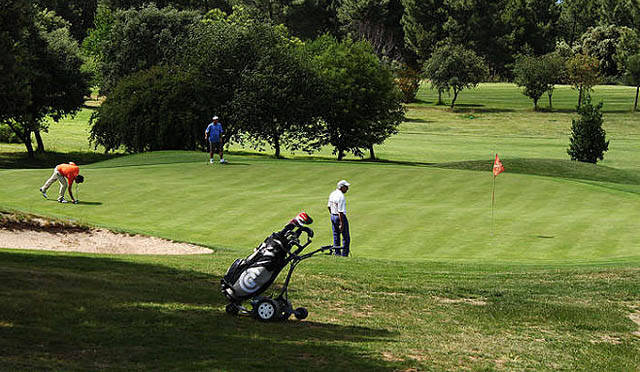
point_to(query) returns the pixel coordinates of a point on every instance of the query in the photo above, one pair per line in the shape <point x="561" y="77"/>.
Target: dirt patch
<point x="468" y="301"/>
<point x="18" y="231"/>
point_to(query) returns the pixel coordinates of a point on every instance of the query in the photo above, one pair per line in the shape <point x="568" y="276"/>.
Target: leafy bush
<point x="154" y="109"/>
<point x="7" y="135"/>
<point x="588" y="138"/>
<point x="408" y="81"/>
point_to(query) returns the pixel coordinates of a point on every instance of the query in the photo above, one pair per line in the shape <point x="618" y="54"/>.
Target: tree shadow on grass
<point x="469" y="108"/>
<point x="540" y="167"/>
<point x="68" y="312"/>
<point x="21" y="160"/>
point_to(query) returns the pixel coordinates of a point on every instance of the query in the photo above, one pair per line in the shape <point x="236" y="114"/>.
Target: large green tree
<point x="530" y="74"/>
<point x="276" y="95"/>
<point x="155" y="109"/>
<point x="423" y="23"/>
<point x="127" y="41"/>
<point x="576" y="16"/>
<point x="611" y="45"/>
<point x="453" y="67"/>
<point x="531" y="24"/>
<point x="16" y="24"/>
<point x="377" y="21"/>
<point x="363" y="107"/>
<point x="51" y="69"/>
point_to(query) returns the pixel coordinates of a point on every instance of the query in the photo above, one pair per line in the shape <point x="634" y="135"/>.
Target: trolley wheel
<point x="285" y="308"/>
<point x="267" y="310"/>
<point x="301" y="313"/>
<point x="232" y="309"/>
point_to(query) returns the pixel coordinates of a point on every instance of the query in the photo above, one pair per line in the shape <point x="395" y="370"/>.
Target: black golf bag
<point x="248" y="278"/>
<point x="251" y="276"/>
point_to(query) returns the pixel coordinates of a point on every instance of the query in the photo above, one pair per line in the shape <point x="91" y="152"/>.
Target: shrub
<point x="7" y="135"/>
<point x="408" y="81"/>
<point x="588" y="138"/>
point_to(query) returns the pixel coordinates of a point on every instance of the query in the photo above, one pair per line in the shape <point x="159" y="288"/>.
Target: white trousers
<point x="56" y="176"/>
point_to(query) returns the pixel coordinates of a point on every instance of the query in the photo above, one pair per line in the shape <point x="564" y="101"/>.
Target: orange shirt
<point x="68" y="170"/>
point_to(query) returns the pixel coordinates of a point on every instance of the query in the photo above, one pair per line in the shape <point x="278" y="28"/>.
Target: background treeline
<point x="294" y="74"/>
<point x="410" y="30"/>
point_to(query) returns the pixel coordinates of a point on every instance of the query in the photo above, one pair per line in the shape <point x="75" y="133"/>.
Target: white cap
<point x="343" y="183"/>
<point x="215" y="118"/>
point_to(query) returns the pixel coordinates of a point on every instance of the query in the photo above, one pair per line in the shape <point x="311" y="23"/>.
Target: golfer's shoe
<point x="62" y="201"/>
<point x="222" y="161"/>
<point x="210" y="161"/>
<point x="44" y="193"/>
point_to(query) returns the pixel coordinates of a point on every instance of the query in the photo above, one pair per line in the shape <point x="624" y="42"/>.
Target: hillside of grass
<point x="547" y="281"/>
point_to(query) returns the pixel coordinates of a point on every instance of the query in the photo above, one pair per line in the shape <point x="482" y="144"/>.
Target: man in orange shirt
<point x="63" y="173"/>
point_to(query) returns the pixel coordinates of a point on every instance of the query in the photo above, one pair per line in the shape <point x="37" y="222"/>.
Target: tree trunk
<point x="372" y="154"/>
<point x="455" y="96"/>
<point x="340" y="154"/>
<point x="27" y="143"/>
<point x="550" y="104"/>
<point x="39" y="141"/>
<point x="535" y="104"/>
<point x="440" y="98"/>
<point x="635" y="105"/>
<point x="276" y="146"/>
<point x="24" y="137"/>
<point x="579" y="97"/>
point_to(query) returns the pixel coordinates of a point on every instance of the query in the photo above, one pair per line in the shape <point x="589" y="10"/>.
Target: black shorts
<point x="215" y="146"/>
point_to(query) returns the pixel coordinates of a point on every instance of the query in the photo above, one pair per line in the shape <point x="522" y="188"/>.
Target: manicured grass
<point x="80" y="312"/>
<point x="432" y="285"/>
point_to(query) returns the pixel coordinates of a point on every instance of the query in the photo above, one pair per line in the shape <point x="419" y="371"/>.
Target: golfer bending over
<point x="62" y="173"/>
<point x="338" y="208"/>
<point x="213" y="134"/>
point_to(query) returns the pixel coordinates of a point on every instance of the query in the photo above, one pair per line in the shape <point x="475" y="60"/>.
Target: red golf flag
<point x="497" y="166"/>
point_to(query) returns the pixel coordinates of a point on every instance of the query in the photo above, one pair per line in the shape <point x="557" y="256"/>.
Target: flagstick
<point x="493" y="201"/>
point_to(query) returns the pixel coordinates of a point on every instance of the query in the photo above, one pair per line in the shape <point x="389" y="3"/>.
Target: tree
<point x="529" y="72"/>
<point x="531" y="24"/>
<point x="363" y="107"/>
<point x="455" y="68"/>
<point x="16" y="23"/>
<point x="606" y="43"/>
<point x="377" y="21"/>
<point x="274" y="97"/>
<point x="78" y="13"/>
<point x="422" y="23"/>
<point x="127" y="41"/>
<point x="155" y="109"/>
<point x="477" y="25"/>
<point x="582" y="74"/>
<point x="588" y="139"/>
<point x="576" y="17"/>
<point x="555" y="72"/>
<point x="56" y="85"/>
<point x="633" y="74"/>
<point x="308" y="19"/>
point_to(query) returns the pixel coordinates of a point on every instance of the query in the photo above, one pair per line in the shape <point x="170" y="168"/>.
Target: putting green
<point x="396" y="211"/>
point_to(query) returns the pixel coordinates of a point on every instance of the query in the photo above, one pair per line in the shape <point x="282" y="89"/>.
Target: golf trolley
<point x="248" y="278"/>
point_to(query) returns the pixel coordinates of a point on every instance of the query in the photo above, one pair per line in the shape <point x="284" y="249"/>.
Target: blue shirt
<point x="214" y="131"/>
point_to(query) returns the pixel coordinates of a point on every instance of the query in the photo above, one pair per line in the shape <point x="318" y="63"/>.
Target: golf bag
<point x="251" y="276"/>
<point x="248" y="278"/>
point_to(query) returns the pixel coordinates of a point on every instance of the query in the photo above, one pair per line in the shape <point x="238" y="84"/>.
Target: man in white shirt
<point x="338" y="208"/>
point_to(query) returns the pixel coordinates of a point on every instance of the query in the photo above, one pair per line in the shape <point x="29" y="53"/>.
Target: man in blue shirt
<point x="213" y="134"/>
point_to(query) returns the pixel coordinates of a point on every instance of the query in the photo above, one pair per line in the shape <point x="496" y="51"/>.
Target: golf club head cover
<point x="301" y="219"/>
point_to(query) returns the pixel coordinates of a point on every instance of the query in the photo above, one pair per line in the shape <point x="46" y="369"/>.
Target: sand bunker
<point x="28" y="232"/>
